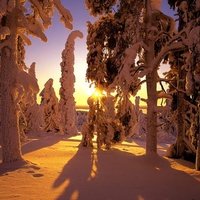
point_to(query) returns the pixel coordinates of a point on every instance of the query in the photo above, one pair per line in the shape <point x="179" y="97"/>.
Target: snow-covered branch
<point x="25" y="39"/>
<point x="4" y="31"/>
<point x="66" y="16"/>
<point x="35" y="28"/>
<point x="176" y="46"/>
<point x="45" y="18"/>
<point x="161" y="94"/>
<point x="169" y="82"/>
<point x="162" y="108"/>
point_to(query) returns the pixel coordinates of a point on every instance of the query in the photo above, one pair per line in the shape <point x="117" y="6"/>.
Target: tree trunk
<point x="151" y="78"/>
<point x="180" y="144"/>
<point x="151" y="135"/>
<point x="11" y="147"/>
<point x="197" y="163"/>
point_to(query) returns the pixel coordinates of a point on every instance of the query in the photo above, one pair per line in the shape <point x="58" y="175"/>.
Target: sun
<point x="97" y="93"/>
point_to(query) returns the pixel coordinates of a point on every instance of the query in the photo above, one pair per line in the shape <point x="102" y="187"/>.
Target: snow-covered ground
<point x="57" y="167"/>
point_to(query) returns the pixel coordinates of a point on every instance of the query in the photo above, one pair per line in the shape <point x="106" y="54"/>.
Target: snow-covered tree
<point x="141" y="37"/>
<point x="89" y="126"/>
<point x="19" y="18"/>
<point x="102" y="65"/>
<point x="49" y="103"/>
<point x="33" y="111"/>
<point x="188" y="78"/>
<point x="67" y="80"/>
<point x="105" y="117"/>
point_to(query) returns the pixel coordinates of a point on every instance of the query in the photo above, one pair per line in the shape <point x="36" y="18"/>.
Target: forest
<point x="126" y="47"/>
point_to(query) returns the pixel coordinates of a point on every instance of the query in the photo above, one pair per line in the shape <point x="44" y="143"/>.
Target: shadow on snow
<point x="114" y="174"/>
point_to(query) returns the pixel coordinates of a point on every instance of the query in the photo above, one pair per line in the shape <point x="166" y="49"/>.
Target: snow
<point x="4" y="31"/>
<point x="194" y="36"/>
<point x="67" y="80"/>
<point x="49" y="103"/>
<point x="57" y="167"/>
<point x="66" y="16"/>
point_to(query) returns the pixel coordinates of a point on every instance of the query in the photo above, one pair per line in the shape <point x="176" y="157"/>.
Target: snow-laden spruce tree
<point x="25" y="98"/>
<point x="50" y="115"/>
<point x="103" y="67"/>
<point x="141" y="37"/>
<point x="101" y="118"/>
<point x="33" y="111"/>
<point x="88" y="127"/>
<point x="187" y="68"/>
<point x="67" y="80"/>
<point x="104" y="118"/>
<point x="19" y="18"/>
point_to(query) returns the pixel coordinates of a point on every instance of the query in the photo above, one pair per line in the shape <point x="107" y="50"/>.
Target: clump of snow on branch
<point x="99" y="7"/>
<point x="35" y="17"/>
<point x="67" y="80"/>
<point x="26" y="88"/>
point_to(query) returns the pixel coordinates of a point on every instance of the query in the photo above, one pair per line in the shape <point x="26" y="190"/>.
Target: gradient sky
<point x="48" y="55"/>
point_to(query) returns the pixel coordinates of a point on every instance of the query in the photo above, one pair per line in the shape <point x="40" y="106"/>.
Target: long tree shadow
<point x="39" y="143"/>
<point x="77" y="173"/>
<point x="116" y="175"/>
<point x="31" y="145"/>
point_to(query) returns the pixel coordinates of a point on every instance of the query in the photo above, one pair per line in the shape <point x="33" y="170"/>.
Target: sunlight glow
<point x="90" y="91"/>
<point x="140" y="197"/>
<point x="74" y="195"/>
<point x="94" y="166"/>
<point x="97" y="93"/>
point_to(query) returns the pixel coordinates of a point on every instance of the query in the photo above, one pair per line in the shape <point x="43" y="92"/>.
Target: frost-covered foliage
<point x="34" y="16"/>
<point x="99" y="6"/>
<point x="107" y="39"/>
<point x="33" y="111"/>
<point x="67" y="80"/>
<point x="27" y="90"/>
<point x="185" y="67"/>
<point x="126" y="114"/>
<point x="111" y="126"/>
<point x="105" y="120"/>
<point x="88" y="127"/>
<point x="49" y="103"/>
<point x="185" y="70"/>
<point x="18" y="19"/>
<point x="128" y="45"/>
<point x="81" y="116"/>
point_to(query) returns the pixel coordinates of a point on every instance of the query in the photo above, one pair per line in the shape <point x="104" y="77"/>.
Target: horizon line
<point x="87" y="107"/>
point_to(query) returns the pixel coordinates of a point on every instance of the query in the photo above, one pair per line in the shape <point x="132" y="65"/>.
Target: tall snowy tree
<point x="67" y="80"/>
<point x="187" y="66"/>
<point x="141" y="38"/>
<point x="19" y="18"/>
<point x="103" y="67"/>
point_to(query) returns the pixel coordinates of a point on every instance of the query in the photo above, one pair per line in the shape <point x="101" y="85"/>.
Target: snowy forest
<point x="127" y="45"/>
<point x="49" y="149"/>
